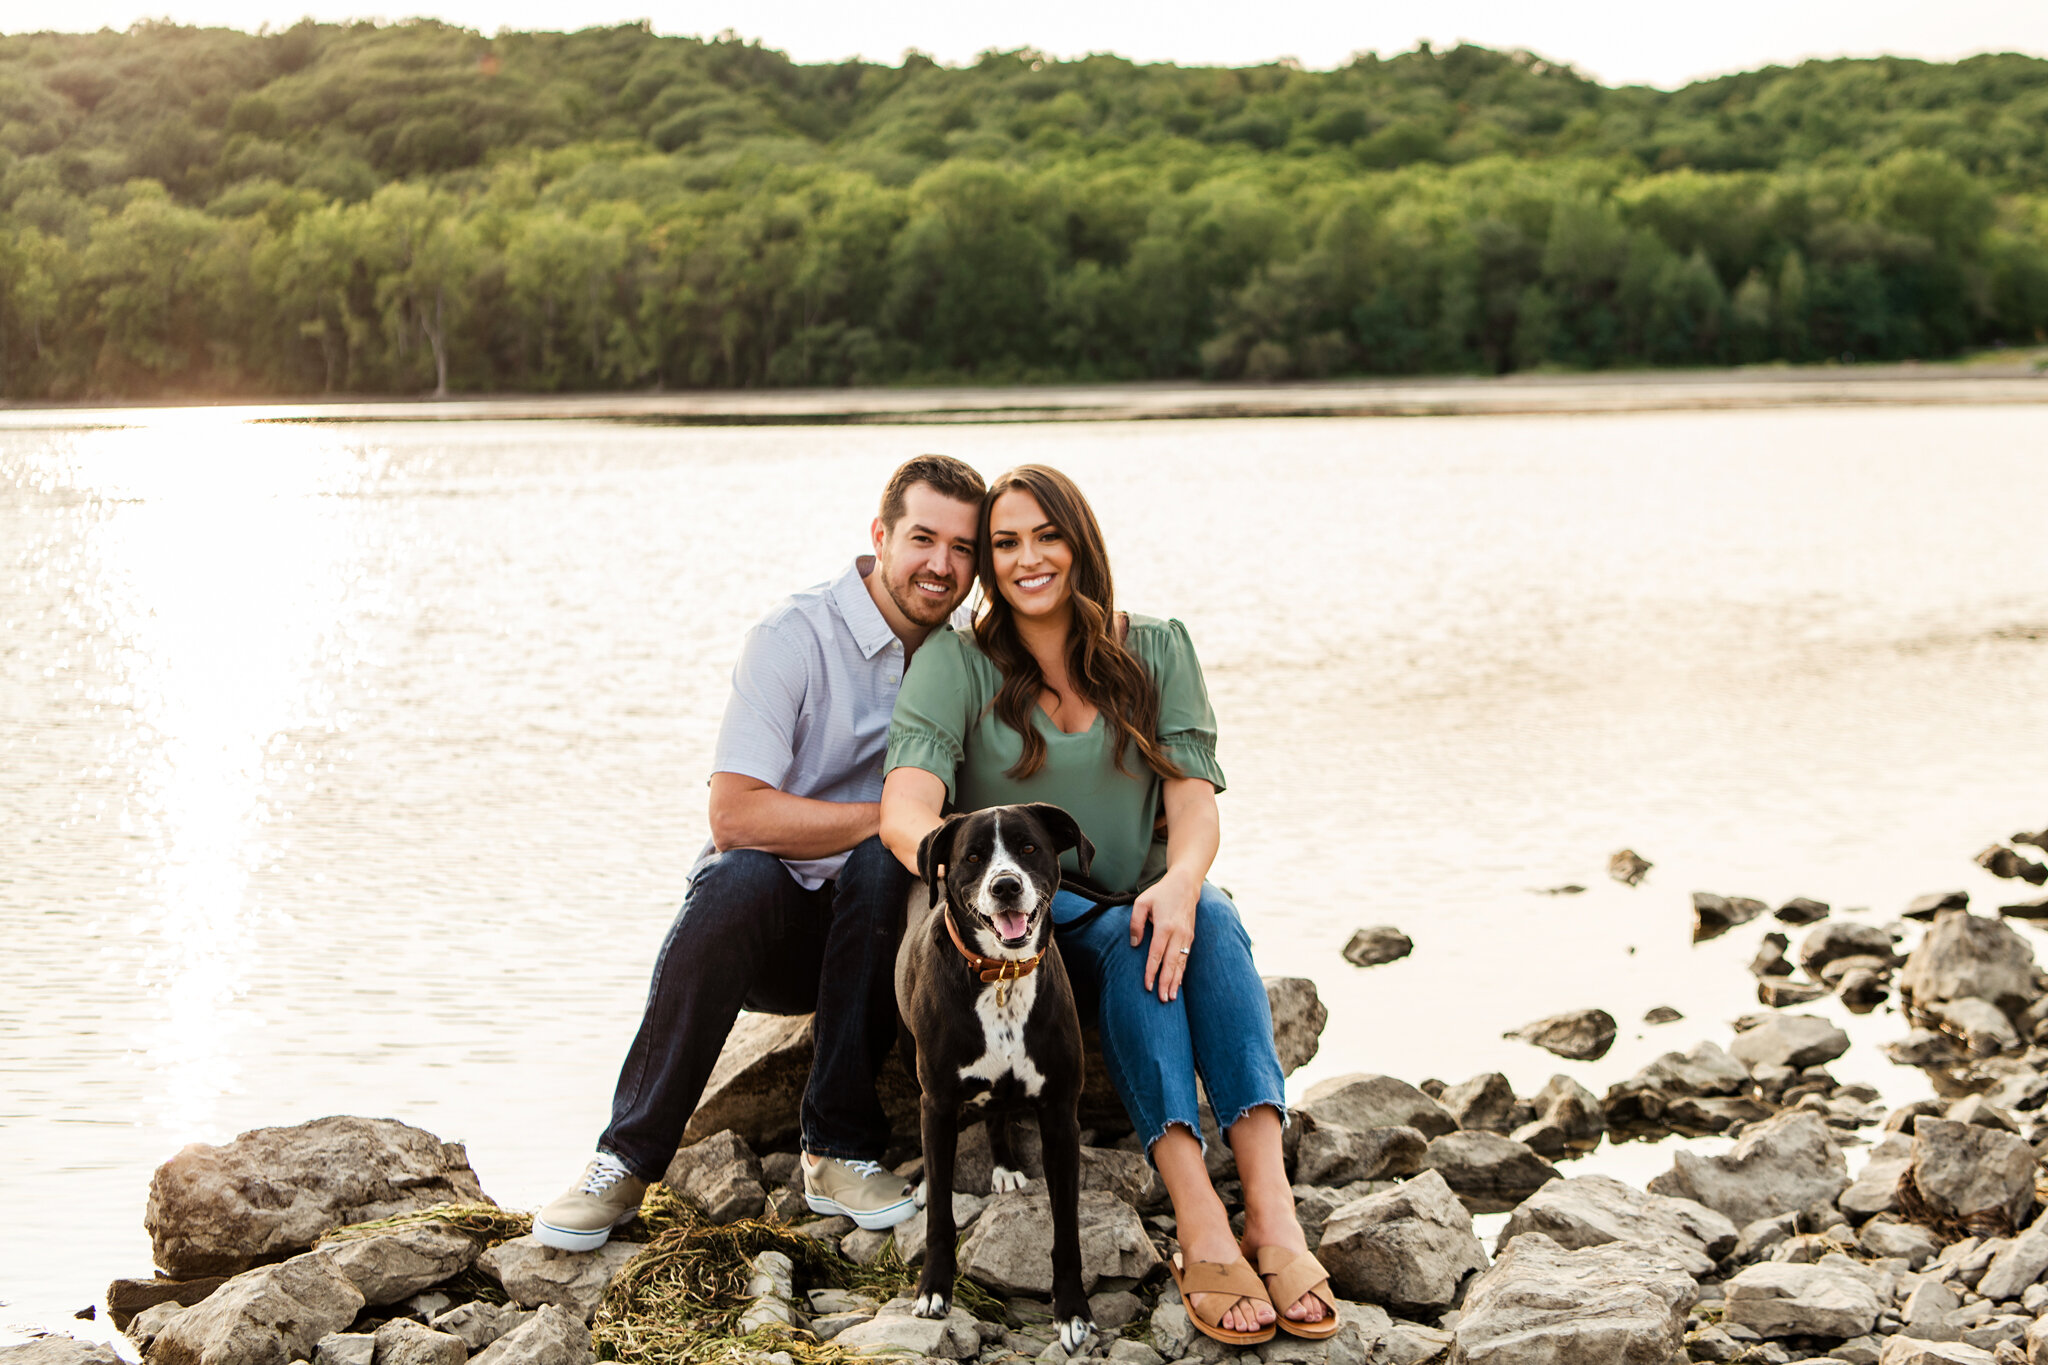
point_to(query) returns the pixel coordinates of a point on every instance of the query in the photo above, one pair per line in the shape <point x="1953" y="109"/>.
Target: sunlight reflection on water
<point x="355" y="769"/>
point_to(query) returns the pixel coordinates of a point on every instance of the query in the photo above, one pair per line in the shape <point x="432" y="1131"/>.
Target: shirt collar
<point x="864" y="620"/>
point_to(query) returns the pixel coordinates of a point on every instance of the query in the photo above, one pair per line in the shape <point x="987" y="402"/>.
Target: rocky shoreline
<point x="361" y="1241"/>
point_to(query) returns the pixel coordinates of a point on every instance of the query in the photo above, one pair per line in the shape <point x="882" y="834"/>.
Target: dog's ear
<point x="1065" y="831"/>
<point x="935" y="851"/>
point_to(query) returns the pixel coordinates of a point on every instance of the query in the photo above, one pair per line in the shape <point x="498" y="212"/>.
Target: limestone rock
<point x="1982" y="1027"/>
<point x="1569" y="1109"/>
<point x="1010" y="1249"/>
<point x="273" y="1191"/>
<point x="395" y="1265"/>
<point x="58" y="1350"/>
<point x="145" y="1326"/>
<point x="267" y="1316"/>
<point x="1908" y="1242"/>
<point x="1330" y="1155"/>
<point x="1780" y="1299"/>
<point x="1592" y="1210"/>
<point x="1298" y="1018"/>
<point x="1876" y="1187"/>
<point x="1794" y="1040"/>
<point x="1934" y="902"/>
<point x="1617" y="1303"/>
<point x="722" y="1174"/>
<point x="402" y="1341"/>
<point x="1770" y="960"/>
<point x="1782" y="1165"/>
<point x="2016" y="1265"/>
<point x="1970" y="955"/>
<point x="1582" y="1035"/>
<point x="910" y="1233"/>
<point x="346" y="1348"/>
<point x="1968" y="1173"/>
<point x="1842" y="938"/>
<point x="1904" y="1350"/>
<point x="1783" y="994"/>
<point x="552" y="1336"/>
<point x="1713" y="915"/>
<point x="479" y="1324"/>
<point x="1490" y="1173"/>
<point x="1663" y="1014"/>
<point x="1484" y="1102"/>
<point x="953" y="1337"/>
<point x="1127" y="1175"/>
<point x="534" y="1275"/>
<point x="1407" y="1248"/>
<point x="1379" y="944"/>
<point x="1706" y="1070"/>
<point x="1800" y="910"/>
<point x="1360" y="1102"/>
<point x="128" y="1297"/>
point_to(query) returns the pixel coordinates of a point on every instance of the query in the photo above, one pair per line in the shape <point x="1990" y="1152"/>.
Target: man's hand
<point x="1168" y="906"/>
<point x="748" y="813"/>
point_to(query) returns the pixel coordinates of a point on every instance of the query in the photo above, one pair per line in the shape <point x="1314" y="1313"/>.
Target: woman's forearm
<point x="1194" y="830"/>
<point x="912" y="802"/>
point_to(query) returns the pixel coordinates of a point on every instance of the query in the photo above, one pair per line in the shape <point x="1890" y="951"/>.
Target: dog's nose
<point x="1006" y="887"/>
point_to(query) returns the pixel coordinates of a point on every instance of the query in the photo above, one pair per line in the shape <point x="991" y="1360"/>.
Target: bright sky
<point x="1616" y="41"/>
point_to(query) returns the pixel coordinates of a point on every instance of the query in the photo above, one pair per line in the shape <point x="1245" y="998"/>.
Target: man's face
<point x="926" y="561"/>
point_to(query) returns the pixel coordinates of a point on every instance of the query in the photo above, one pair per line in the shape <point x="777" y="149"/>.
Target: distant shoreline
<point x="2000" y="382"/>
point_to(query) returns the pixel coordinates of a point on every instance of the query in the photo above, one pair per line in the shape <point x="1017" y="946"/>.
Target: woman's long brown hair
<point x="1099" y="667"/>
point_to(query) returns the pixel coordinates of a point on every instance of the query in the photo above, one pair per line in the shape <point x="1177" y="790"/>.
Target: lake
<point x="355" y="768"/>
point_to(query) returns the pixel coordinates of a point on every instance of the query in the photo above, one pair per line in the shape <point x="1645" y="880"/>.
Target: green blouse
<point x="945" y="723"/>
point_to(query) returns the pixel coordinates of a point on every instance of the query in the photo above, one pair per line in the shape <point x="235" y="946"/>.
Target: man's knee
<point x="733" y="891"/>
<point x="873" y="881"/>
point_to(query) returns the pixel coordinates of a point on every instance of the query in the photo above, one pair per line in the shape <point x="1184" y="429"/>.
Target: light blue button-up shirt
<point x="811" y="700"/>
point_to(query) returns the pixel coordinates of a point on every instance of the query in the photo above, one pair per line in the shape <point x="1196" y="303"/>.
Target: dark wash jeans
<point x="749" y="936"/>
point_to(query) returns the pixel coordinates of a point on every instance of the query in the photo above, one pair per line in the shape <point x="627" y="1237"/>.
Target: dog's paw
<point x="934" y="1305"/>
<point x="1073" y="1332"/>
<point x="919" y="1196"/>
<point x="1002" y="1180"/>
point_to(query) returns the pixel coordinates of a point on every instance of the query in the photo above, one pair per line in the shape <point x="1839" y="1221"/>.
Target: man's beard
<point x="925" y="611"/>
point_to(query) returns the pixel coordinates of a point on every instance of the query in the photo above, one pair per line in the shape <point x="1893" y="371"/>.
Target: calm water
<point x="356" y="768"/>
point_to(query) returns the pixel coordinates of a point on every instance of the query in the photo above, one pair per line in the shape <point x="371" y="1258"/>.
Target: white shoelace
<point x="863" y="1169"/>
<point x="605" y="1172"/>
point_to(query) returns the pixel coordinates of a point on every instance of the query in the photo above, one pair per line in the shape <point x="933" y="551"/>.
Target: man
<point x="796" y="906"/>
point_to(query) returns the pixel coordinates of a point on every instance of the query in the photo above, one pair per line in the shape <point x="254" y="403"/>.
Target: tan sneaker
<point x="583" y="1219"/>
<point x="860" y="1190"/>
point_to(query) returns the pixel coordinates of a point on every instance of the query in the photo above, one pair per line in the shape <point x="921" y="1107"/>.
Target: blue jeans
<point x="1219" y="1027"/>
<point x="749" y="937"/>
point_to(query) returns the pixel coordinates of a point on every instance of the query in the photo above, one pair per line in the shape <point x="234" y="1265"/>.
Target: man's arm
<point x="748" y="813"/>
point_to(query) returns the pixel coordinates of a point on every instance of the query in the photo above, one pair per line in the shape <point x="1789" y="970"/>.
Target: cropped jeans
<point x="748" y="936"/>
<point x="1219" y="1027"/>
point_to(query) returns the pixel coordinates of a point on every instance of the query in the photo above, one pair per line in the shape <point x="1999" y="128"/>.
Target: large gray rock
<point x="1407" y="1248"/>
<point x="1982" y="1027"/>
<point x="553" y="1336"/>
<point x="2016" y="1265"/>
<point x="1781" y="1299"/>
<point x="57" y="1350"/>
<point x="1706" y="1070"/>
<point x="1581" y="1035"/>
<point x="1377" y="945"/>
<point x="1967" y="1173"/>
<point x="479" y="1323"/>
<point x="1360" y="1102"/>
<point x="953" y="1337"/>
<point x="1904" y="1350"/>
<point x="1298" y="1018"/>
<point x="273" y="1191"/>
<point x="722" y="1174"/>
<point x="1490" y="1173"/>
<point x="395" y="1265"/>
<point x="1714" y="915"/>
<point x="1592" y="1210"/>
<point x="534" y="1275"/>
<point x="1963" y="955"/>
<point x="1876" y="1187"/>
<point x="1330" y="1155"/>
<point x="1568" y="1119"/>
<point x="128" y="1296"/>
<point x="1842" y="938"/>
<point x="1010" y="1248"/>
<point x="1486" y="1102"/>
<point x="402" y="1341"/>
<point x="1542" y="1304"/>
<point x="268" y="1316"/>
<point x="1784" y="1165"/>
<point x="1794" y="1040"/>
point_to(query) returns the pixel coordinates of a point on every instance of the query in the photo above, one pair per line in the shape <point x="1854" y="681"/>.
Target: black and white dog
<point x="982" y="991"/>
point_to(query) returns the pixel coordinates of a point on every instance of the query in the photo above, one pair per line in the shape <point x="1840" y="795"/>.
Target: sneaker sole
<point x="572" y="1239"/>
<point x="874" y="1220"/>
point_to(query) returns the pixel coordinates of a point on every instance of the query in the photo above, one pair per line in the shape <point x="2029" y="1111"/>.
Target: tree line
<point x="410" y="208"/>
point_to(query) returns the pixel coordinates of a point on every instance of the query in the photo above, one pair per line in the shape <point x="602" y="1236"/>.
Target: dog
<point x="990" y="1016"/>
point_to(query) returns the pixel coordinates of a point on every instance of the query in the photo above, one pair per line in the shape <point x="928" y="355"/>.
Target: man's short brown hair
<point x="949" y="476"/>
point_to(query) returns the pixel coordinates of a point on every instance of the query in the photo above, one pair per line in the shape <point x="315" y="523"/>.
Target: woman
<point x="1059" y="697"/>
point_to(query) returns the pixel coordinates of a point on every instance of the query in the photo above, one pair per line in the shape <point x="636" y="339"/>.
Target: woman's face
<point x="1033" y="561"/>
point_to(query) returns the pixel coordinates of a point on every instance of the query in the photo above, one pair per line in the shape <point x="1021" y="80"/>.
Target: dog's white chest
<point x="1002" y="1033"/>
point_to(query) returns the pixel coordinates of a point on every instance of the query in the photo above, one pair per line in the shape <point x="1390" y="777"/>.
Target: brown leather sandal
<point x="1236" y="1278"/>
<point x="1291" y="1274"/>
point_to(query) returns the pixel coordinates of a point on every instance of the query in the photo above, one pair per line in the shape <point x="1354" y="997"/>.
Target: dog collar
<point x="1002" y="970"/>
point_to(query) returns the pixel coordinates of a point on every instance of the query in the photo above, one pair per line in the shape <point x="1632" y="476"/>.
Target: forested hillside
<point x="387" y="209"/>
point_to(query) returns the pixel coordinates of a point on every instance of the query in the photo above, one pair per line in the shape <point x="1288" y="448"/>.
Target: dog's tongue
<point x="1011" y="924"/>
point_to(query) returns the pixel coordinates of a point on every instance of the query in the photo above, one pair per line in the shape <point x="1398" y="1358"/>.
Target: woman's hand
<point x="1168" y="906"/>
